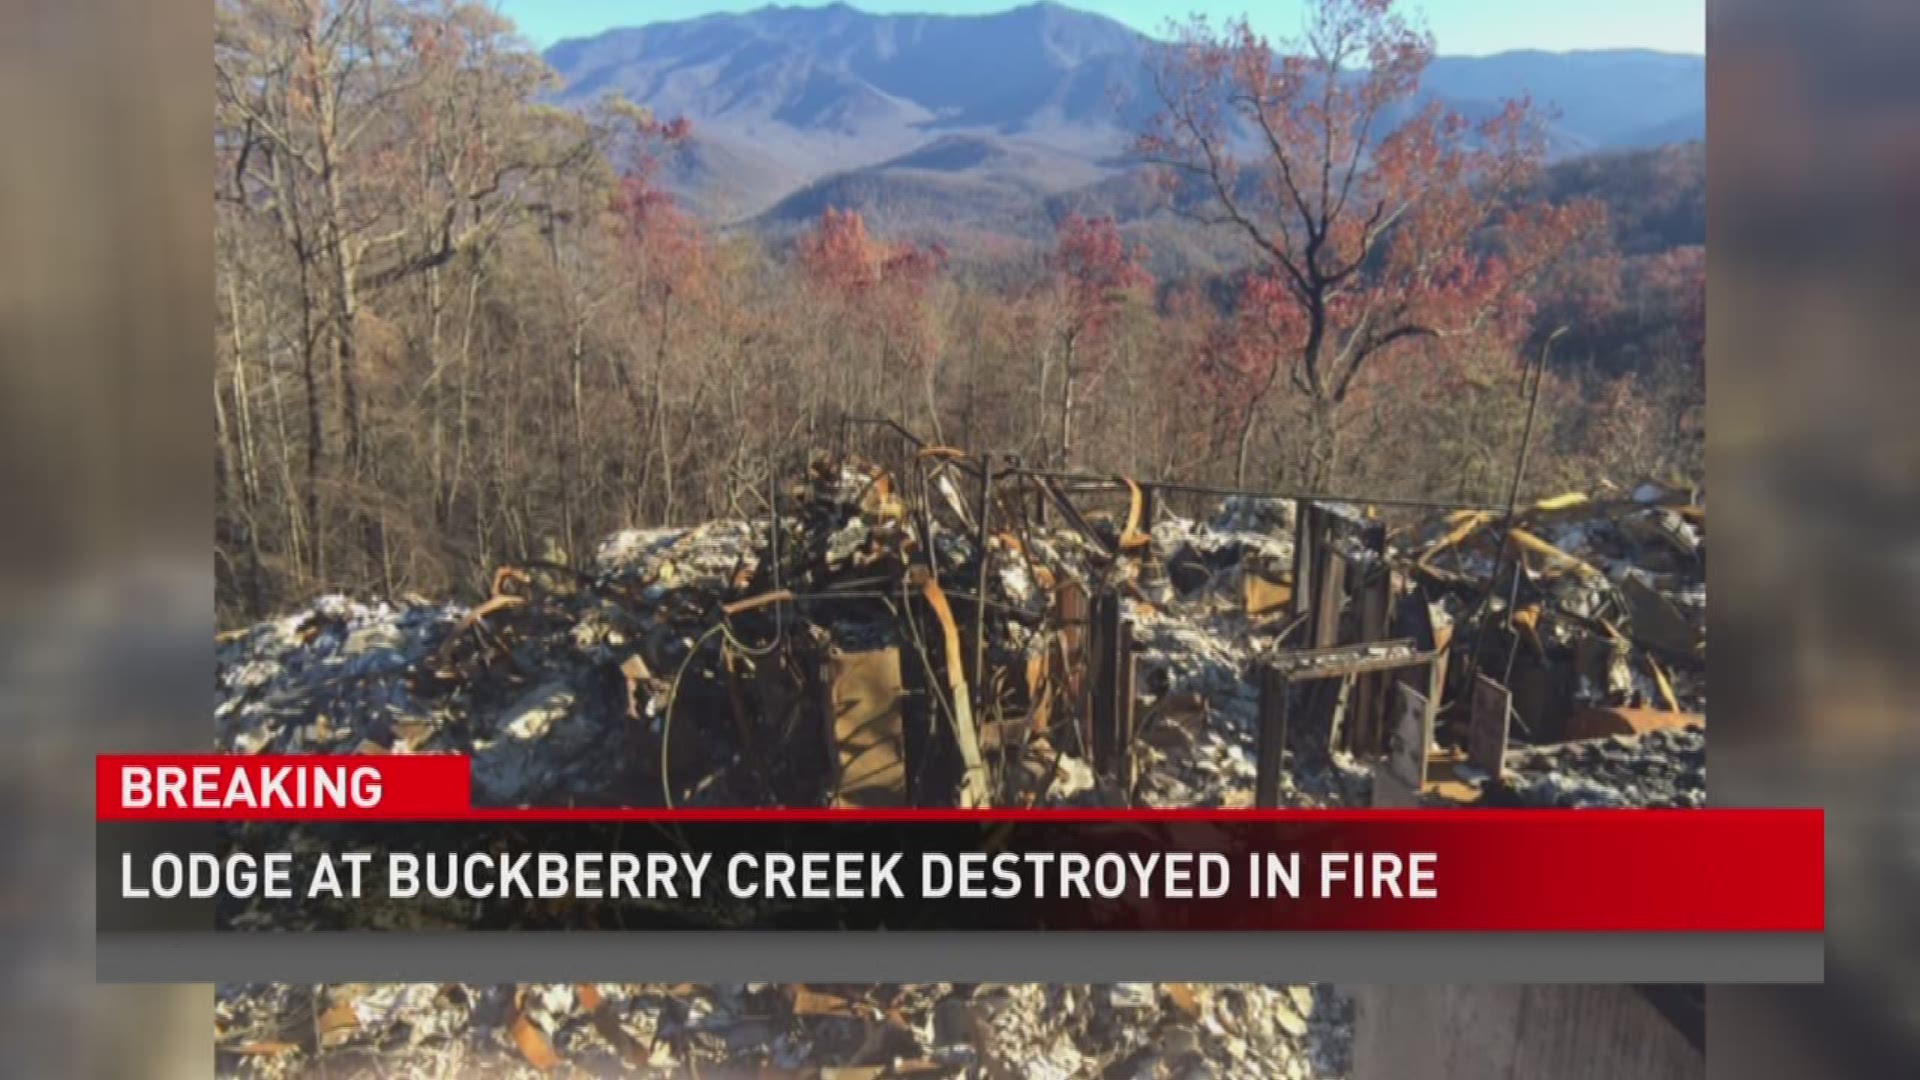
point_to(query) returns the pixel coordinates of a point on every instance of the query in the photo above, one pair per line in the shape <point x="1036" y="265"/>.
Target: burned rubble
<point x="785" y="1032"/>
<point x="876" y="641"/>
<point x="918" y="626"/>
<point x="690" y="663"/>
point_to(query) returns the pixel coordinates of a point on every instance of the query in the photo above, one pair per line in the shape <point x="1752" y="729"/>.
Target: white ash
<point x="1666" y="768"/>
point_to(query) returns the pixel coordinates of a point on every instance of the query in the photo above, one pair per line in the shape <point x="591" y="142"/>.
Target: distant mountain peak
<point x="784" y="97"/>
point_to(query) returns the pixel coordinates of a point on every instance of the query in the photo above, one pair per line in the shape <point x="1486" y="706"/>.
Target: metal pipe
<point x="1513" y="503"/>
<point x="980" y="609"/>
<point x="1526" y="436"/>
<point x="1187" y="489"/>
<point x="885" y="422"/>
<point x="773" y="540"/>
<point x="1223" y="492"/>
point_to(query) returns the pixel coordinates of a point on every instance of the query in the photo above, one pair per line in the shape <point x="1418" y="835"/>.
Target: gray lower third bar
<point x="732" y="956"/>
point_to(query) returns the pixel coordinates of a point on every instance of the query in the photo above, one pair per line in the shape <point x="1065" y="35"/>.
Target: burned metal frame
<point x="1283" y="672"/>
<point x="1214" y="491"/>
<point x="1339" y="565"/>
<point x="1005" y="594"/>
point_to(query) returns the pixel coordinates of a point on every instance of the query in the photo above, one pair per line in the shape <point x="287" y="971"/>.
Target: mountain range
<point x="994" y="122"/>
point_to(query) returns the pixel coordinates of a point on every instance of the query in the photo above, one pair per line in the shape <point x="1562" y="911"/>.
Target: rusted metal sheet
<point x="1261" y="592"/>
<point x="1657" y="623"/>
<point x="1487" y="726"/>
<point x="1600" y="723"/>
<point x="1389" y="791"/>
<point x="866" y="729"/>
<point x="974" y="789"/>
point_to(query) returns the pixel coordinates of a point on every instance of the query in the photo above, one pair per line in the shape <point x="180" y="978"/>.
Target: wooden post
<point x="1305" y="537"/>
<point x="1330" y="597"/>
<point x="1271" y="746"/>
<point x="1070" y="613"/>
<point x="1369" y="716"/>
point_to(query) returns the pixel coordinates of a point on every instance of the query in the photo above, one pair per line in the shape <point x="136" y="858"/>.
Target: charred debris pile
<point x="916" y="625"/>
<point x="924" y="1031"/>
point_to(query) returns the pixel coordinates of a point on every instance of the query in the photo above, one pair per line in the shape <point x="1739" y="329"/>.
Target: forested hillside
<point x="460" y="323"/>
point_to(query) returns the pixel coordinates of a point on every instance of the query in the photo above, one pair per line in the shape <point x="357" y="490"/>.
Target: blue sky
<point x="1472" y="27"/>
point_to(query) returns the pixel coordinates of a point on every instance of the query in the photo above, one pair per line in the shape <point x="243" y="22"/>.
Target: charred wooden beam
<point x="1110" y="666"/>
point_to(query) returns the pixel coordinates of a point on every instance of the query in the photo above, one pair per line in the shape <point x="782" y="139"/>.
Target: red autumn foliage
<point x="1377" y="234"/>
<point x="883" y="287"/>
<point x="840" y="255"/>
<point x="1096" y="274"/>
<point x="1098" y="269"/>
<point x="837" y="253"/>
<point x="1679" y="278"/>
<point x="664" y="243"/>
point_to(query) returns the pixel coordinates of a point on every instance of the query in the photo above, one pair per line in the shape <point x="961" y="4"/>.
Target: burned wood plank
<point x="1340" y="661"/>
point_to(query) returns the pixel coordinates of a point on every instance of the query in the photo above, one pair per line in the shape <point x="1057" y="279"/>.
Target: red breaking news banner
<point x="1485" y="870"/>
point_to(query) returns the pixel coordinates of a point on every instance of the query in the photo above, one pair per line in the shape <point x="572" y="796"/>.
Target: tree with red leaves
<point x="880" y="292"/>
<point x="838" y="254"/>
<point x="1679" y="278"/>
<point x="1097" y="275"/>
<point x="1378" y="233"/>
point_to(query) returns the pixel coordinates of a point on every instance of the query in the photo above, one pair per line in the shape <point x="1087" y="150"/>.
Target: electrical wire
<point x="666" y="718"/>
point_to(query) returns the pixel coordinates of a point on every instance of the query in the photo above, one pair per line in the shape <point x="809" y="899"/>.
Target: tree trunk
<point x="930" y="388"/>
<point x="316" y="444"/>
<point x="1066" y="406"/>
<point x="1245" y="448"/>
<point x="1323" y="451"/>
<point x="346" y="301"/>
